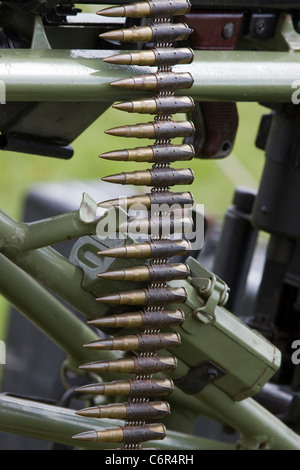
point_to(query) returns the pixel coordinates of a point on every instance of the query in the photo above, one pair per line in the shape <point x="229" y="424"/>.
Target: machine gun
<point x="56" y="60"/>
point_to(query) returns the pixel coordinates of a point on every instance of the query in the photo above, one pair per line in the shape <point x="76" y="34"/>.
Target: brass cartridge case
<point x="132" y="387"/>
<point x="134" y="365"/>
<point x="156" y="57"/>
<point x="159" y="32"/>
<point x="155" y="130"/>
<point x="162" y="105"/>
<point x="153" y="154"/>
<point x="142" y="319"/>
<point x="129" y="434"/>
<point x="147" y="297"/>
<point x="140" y="342"/>
<point x="168" y="81"/>
<point x="148" y="9"/>
<point x="159" y="177"/>
<point x="129" y="411"/>
<point x="150" y="273"/>
<point x="150" y="249"/>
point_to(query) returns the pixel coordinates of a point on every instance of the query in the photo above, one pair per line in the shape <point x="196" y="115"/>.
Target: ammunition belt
<point x="153" y="300"/>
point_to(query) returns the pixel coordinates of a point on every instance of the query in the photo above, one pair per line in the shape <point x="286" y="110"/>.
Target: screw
<point x="228" y="31"/>
<point x="212" y="374"/>
<point x="260" y="27"/>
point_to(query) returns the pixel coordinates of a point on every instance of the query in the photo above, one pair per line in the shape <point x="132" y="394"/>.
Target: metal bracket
<point x="210" y="287"/>
<point x="199" y="377"/>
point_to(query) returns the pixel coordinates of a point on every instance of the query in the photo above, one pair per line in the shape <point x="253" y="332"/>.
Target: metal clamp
<point x="210" y="287"/>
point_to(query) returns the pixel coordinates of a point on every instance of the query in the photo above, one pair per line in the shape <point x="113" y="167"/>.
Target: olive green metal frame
<point x="33" y="267"/>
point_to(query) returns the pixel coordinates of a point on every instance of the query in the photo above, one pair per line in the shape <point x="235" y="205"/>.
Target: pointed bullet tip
<point x="118" y="59"/>
<point x="86" y="436"/>
<point x="112" y="12"/>
<point x="113" y="252"/>
<point x="117" y="179"/>
<point x="116" y="35"/>
<point x="88" y="412"/>
<point x="110" y="299"/>
<point x="113" y="275"/>
<point x="90" y="388"/>
<point x="124" y="83"/>
<point x="126" y="106"/>
<point x="118" y="131"/>
<point x="119" y="155"/>
<point x="108" y="179"/>
<point x="108" y="60"/>
<point x="122" y="131"/>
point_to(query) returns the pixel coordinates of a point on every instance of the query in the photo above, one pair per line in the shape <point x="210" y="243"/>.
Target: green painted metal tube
<point x="46" y="265"/>
<point x="22" y="236"/>
<point x="62" y="326"/>
<point x="258" y="427"/>
<point x="47" y="313"/>
<point x="56" y="273"/>
<point x="70" y="75"/>
<point x="54" y="424"/>
<point x="19" y="242"/>
<point x="19" y="236"/>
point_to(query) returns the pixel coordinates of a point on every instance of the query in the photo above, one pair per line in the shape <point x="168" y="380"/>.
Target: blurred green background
<point x="214" y="184"/>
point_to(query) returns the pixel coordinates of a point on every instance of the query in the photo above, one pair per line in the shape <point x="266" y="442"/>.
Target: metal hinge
<point x="209" y="286"/>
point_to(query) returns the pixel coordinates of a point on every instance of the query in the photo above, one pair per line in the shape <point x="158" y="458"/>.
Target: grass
<point x="214" y="184"/>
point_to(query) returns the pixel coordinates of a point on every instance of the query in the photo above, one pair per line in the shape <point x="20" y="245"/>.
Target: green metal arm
<point x="257" y="426"/>
<point x="55" y="424"/>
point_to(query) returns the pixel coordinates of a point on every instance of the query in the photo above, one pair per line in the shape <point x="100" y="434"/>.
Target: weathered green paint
<point x="56" y="424"/>
<point x="70" y="75"/>
<point x="47" y="313"/>
<point x="20" y="236"/>
<point x="211" y="333"/>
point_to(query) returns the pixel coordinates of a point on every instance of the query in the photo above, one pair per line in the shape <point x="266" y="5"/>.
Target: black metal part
<point x="263" y="25"/>
<point x="236" y="246"/>
<point x="9" y="39"/>
<point x="45" y="129"/>
<point x="263" y="132"/>
<point x="276" y="209"/>
<point x="59" y="14"/>
<point x="35" y="146"/>
<point x="199" y="377"/>
<point x="282" y="402"/>
<point x="278" y="199"/>
<point x="268" y="301"/>
<point x="31" y="5"/>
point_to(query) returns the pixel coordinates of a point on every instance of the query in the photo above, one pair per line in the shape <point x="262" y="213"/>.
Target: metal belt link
<point x="160" y="247"/>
